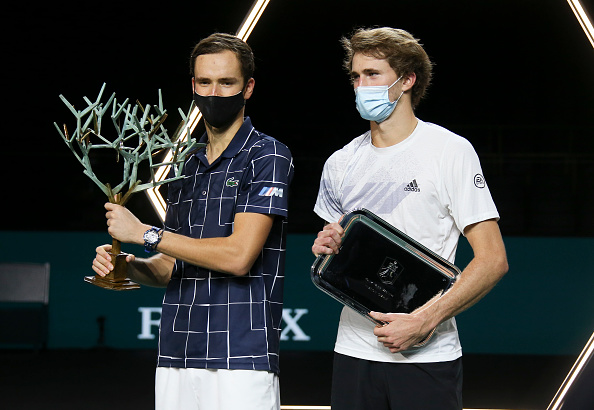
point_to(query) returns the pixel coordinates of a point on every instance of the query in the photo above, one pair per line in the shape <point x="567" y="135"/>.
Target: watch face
<point x="151" y="236"/>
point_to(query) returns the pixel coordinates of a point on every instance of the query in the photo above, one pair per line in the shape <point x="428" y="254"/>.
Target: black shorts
<point x="363" y="385"/>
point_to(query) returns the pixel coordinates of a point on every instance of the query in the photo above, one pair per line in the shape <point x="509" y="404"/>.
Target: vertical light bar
<point x="583" y="19"/>
<point x="155" y="197"/>
<point x="573" y="374"/>
<point x="588" y="350"/>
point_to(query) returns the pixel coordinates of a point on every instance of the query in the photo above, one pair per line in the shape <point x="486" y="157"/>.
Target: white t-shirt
<point x="429" y="186"/>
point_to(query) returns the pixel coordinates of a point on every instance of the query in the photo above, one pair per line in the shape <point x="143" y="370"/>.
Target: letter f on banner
<point x="291" y="325"/>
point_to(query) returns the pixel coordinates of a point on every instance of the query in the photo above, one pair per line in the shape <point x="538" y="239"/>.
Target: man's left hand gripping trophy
<point x="140" y="137"/>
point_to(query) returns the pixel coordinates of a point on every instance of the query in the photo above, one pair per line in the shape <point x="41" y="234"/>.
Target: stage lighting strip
<point x="588" y="350"/>
<point x="328" y="408"/>
<point x="573" y="374"/>
<point x="583" y="19"/>
<point x="248" y="24"/>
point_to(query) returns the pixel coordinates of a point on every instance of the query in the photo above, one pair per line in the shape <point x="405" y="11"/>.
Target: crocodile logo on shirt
<point x="232" y="182"/>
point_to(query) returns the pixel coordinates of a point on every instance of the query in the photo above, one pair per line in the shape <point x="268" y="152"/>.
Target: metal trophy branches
<point x="140" y="137"/>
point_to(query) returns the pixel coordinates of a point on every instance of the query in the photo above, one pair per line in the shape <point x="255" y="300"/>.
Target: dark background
<point x="514" y="77"/>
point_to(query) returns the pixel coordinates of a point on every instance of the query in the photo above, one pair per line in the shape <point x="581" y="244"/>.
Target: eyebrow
<point x="366" y="71"/>
<point x="224" y="79"/>
<point x="371" y="70"/>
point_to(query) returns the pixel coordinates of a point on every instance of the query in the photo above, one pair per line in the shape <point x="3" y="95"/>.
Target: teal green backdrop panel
<point x="544" y="305"/>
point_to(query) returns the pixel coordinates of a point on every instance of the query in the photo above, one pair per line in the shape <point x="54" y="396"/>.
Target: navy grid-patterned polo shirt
<point x="211" y="319"/>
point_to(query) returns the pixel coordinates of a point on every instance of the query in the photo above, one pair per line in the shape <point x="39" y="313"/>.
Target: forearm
<point x="477" y="279"/>
<point x="483" y="272"/>
<point x="218" y="254"/>
<point x="221" y="254"/>
<point x="154" y="271"/>
<point x="234" y="254"/>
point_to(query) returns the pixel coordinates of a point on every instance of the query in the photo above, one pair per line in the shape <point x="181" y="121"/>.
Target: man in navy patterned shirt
<point x="221" y="254"/>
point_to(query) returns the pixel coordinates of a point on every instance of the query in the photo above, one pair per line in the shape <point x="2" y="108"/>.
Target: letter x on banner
<point x="243" y="33"/>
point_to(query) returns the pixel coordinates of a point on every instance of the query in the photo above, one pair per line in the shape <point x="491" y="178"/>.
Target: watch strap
<point x="150" y="246"/>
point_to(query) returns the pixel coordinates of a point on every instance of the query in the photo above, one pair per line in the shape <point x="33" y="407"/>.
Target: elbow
<point x="240" y="257"/>
<point x="496" y="262"/>
<point x="501" y="266"/>
<point x="495" y="267"/>
<point x="240" y="266"/>
<point x="504" y="268"/>
<point x="239" y="271"/>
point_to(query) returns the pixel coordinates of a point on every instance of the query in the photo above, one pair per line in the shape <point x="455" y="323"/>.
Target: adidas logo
<point x="412" y="186"/>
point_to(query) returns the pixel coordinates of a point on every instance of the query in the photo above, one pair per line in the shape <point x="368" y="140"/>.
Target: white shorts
<point x="215" y="389"/>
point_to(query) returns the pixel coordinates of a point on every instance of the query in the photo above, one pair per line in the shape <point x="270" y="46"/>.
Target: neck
<point x="220" y="138"/>
<point x="398" y="127"/>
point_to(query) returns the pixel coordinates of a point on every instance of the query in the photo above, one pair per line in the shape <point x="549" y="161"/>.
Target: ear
<point x="409" y="81"/>
<point x="249" y="89"/>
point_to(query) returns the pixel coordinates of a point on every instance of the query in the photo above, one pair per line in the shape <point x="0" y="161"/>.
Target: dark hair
<point x="218" y="42"/>
<point x="403" y="52"/>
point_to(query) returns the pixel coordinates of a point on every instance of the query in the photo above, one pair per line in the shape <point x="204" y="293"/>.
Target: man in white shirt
<point x="426" y="181"/>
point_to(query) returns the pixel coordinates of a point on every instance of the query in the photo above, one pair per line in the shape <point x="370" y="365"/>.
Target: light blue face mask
<point x="373" y="102"/>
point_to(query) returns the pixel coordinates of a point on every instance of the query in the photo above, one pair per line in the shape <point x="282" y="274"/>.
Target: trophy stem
<point x="116" y="247"/>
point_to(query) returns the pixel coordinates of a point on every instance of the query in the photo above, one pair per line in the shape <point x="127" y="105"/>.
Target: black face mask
<point x="219" y="111"/>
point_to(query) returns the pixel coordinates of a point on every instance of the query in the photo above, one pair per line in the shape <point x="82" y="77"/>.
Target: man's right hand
<point x="329" y="240"/>
<point x="102" y="263"/>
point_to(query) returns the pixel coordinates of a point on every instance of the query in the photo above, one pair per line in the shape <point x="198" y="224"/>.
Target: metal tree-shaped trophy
<point x="140" y="137"/>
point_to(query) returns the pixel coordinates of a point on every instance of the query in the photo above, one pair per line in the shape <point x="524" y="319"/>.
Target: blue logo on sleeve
<point x="271" y="191"/>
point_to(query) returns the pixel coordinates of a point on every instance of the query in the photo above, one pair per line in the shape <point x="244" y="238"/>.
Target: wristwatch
<point x="152" y="237"/>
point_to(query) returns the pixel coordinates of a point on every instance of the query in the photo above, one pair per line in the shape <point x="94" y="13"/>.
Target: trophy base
<point x="116" y="279"/>
<point x="107" y="284"/>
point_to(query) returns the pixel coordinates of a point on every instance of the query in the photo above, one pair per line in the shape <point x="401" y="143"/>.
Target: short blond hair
<point x="403" y="52"/>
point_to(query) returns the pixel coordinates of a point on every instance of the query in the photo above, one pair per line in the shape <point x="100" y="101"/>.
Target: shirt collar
<point x="236" y="144"/>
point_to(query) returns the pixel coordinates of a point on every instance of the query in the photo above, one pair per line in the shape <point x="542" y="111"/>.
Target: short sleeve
<point x="469" y="199"/>
<point x="328" y="205"/>
<point x="265" y="186"/>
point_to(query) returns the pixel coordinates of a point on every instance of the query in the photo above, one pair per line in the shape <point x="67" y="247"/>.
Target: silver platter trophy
<point x="381" y="269"/>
